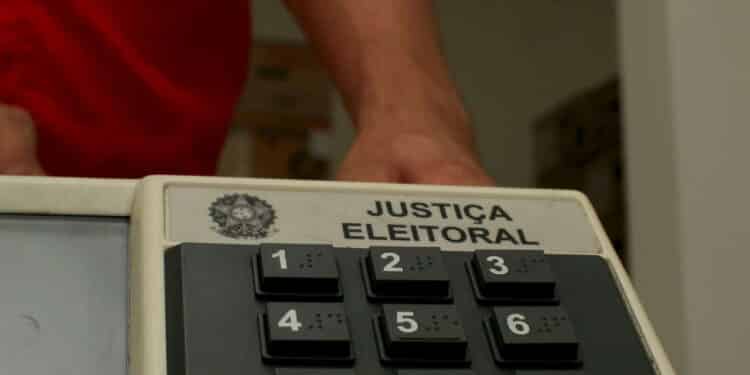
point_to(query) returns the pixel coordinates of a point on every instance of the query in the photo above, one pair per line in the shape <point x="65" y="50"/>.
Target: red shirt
<point x="125" y="88"/>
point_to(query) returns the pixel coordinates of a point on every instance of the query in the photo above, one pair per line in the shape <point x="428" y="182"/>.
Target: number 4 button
<point x="512" y="275"/>
<point x="305" y="332"/>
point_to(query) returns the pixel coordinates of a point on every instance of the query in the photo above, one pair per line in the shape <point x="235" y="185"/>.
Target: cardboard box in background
<point x="578" y="145"/>
<point x="285" y="113"/>
<point x="578" y="129"/>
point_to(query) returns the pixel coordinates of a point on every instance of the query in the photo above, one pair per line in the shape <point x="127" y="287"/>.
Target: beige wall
<point x="512" y="60"/>
<point x="652" y="184"/>
<point x="687" y="70"/>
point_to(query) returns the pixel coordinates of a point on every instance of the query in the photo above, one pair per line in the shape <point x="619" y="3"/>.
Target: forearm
<point x="384" y="55"/>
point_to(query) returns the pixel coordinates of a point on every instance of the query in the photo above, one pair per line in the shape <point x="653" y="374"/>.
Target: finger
<point x="362" y="168"/>
<point x="452" y="174"/>
<point x="369" y="172"/>
<point x="17" y="142"/>
<point x="24" y="170"/>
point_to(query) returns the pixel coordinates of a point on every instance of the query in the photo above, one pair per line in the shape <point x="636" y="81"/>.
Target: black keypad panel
<point x="540" y="336"/>
<point x="234" y="309"/>
<point x="433" y="372"/>
<point x="407" y="274"/>
<point x="314" y="371"/>
<point x="308" y="332"/>
<point x="287" y="271"/>
<point x="421" y="333"/>
<point x="513" y="276"/>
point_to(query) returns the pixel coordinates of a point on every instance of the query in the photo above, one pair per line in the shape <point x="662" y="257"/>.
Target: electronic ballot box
<point x="207" y="276"/>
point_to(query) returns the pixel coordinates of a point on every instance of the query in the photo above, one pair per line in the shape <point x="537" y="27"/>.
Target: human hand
<point x="17" y="143"/>
<point x="421" y="147"/>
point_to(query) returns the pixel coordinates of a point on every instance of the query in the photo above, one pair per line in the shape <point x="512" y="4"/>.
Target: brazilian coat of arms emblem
<point x="243" y="216"/>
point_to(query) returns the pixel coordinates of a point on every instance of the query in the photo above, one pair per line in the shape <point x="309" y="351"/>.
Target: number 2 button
<point x="407" y="272"/>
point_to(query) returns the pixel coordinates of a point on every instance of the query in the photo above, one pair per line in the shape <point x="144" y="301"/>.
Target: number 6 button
<point x="512" y="276"/>
<point x="539" y="336"/>
<point x="297" y="271"/>
<point x="406" y="273"/>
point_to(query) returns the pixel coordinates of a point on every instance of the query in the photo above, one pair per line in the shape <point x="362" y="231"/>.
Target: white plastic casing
<point x="167" y="210"/>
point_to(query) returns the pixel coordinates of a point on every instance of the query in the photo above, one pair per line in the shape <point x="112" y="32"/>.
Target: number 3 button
<point x="513" y="276"/>
<point x="406" y="273"/>
<point x="297" y="271"/>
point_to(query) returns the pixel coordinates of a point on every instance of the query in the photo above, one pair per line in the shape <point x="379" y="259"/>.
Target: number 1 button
<point x="407" y="272"/>
<point x="298" y="269"/>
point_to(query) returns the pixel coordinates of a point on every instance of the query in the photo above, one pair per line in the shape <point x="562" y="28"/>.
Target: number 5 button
<point x="539" y="336"/>
<point x="297" y="271"/>
<point x="512" y="276"/>
<point x="414" y="334"/>
<point x="406" y="273"/>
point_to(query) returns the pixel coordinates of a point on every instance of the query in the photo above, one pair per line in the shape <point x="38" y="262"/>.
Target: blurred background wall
<point x="686" y="69"/>
<point x="512" y="61"/>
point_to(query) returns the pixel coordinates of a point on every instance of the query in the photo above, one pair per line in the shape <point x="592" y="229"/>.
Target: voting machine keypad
<point x="303" y="309"/>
